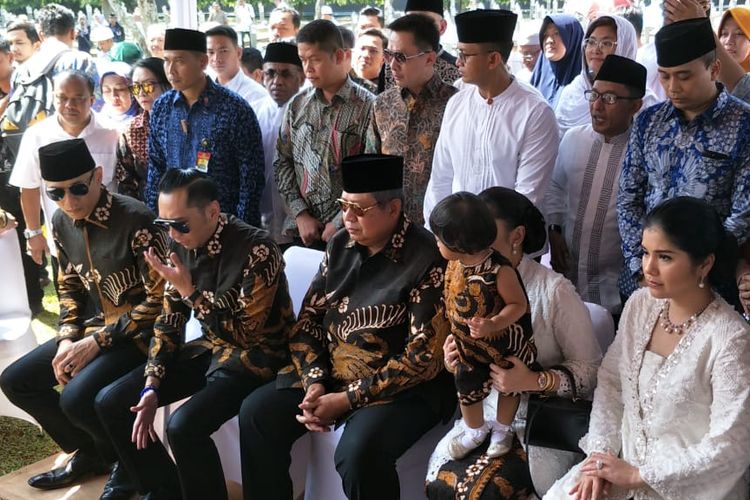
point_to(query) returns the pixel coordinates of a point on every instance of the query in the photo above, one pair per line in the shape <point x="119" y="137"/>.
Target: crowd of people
<point x="164" y="189"/>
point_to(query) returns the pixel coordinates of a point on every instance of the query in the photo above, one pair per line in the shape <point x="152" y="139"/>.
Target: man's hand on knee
<point x="73" y="358"/>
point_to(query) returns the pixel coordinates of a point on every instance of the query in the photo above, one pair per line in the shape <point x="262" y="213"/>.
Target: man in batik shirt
<point x="230" y="276"/>
<point x="109" y="299"/>
<point x="366" y="348"/>
<point x="406" y="119"/>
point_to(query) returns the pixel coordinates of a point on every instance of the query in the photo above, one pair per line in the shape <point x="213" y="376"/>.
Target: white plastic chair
<point x="604" y="325"/>
<point x="16" y="337"/>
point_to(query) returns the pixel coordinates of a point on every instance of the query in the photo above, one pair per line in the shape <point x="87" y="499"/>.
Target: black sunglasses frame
<point x="177" y="225"/>
<point x="77" y="189"/>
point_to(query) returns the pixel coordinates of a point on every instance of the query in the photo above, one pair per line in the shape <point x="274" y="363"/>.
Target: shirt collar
<point x="206" y="97"/>
<point x="101" y="213"/>
<point x="213" y="246"/>
<point x="344" y="93"/>
<point x="394" y="248"/>
<point x="710" y="114"/>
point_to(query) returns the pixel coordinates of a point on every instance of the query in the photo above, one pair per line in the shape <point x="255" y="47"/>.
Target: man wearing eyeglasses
<point x="406" y="119"/>
<point x="225" y="58"/>
<point x="283" y="77"/>
<point x="109" y="299"/>
<point x="580" y="203"/>
<point x="365" y="349"/>
<point x="498" y="131"/>
<point x="230" y="276"/>
<point x="74" y="96"/>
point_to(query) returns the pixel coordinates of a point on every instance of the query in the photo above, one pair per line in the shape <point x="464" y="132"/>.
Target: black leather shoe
<point x="119" y="486"/>
<point x="79" y="466"/>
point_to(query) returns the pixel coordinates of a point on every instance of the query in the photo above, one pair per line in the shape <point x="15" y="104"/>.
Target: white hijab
<point x="573" y="109"/>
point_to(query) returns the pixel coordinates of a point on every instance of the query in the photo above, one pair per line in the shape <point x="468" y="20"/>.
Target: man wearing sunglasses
<point x="445" y="64"/>
<point x="73" y="118"/>
<point x="406" y="118"/>
<point x="498" y="131"/>
<point x="583" y="234"/>
<point x="230" y="276"/>
<point x="365" y="350"/>
<point x="109" y="299"/>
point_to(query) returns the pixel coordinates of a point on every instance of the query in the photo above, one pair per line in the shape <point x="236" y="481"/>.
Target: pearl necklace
<point x="670" y="327"/>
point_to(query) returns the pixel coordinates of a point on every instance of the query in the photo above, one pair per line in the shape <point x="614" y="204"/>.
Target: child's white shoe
<point x="467" y="440"/>
<point x="501" y="440"/>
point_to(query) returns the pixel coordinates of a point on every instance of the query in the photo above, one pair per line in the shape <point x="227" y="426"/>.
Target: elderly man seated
<point x="366" y="347"/>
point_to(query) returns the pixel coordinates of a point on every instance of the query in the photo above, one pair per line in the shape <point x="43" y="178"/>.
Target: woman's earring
<point x="514" y="251"/>
<point x="701" y="284"/>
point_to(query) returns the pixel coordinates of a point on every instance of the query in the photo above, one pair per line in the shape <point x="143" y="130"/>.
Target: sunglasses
<point x="142" y="88"/>
<point x="399" y="57"/>
<point x="357" y="209"/>
<point x="177" y="225"/>
<point x="77" y="189"/>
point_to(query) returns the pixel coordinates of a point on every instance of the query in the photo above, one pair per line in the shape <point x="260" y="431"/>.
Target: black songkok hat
<point x="282" y="52"/>
<point x="370" y="173"/>
<point x="486" y="26"/>
<point x="620" y="69"/>
<point x="435" y="6"/>
<point x="684" y="41"/>
<point x="65" y="160"/>
<point x="182" y="39"/>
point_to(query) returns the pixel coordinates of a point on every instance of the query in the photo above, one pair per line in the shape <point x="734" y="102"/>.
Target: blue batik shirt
<point x="219" y="134"/>
<point x="707" y="158"/>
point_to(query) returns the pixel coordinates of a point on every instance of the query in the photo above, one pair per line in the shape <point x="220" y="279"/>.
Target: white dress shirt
<point x="102" y="144"/>
<point x="250" y="90"/>
<point x="511" y="142"/>
<point x="582" y="198"/>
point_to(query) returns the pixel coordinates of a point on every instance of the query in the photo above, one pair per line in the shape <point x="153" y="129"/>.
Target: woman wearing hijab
<point x="734" y="35"/>
<point x="119" y="105"/>
<point x="561" y="36"/>
<point x="607" y="34"/>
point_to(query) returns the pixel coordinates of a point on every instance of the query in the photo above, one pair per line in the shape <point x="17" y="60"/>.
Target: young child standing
<point x="488" y="310"/>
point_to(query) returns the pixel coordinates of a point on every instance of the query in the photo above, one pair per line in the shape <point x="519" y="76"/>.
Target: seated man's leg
<point x="151" y="469"/>
<point x="77" y="398"/>
<point x="29" y="384"/>
<point x="190" y="427"/>
<point x="374" y="438"/>
<point x="268" y="429"/>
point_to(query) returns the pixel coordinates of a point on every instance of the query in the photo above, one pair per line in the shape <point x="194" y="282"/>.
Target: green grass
<point x="23" y="443"/>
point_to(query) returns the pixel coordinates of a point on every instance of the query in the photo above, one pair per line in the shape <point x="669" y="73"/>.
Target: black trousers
<point x="374" y="438"/>
<point x="215" y="399"/>
<point x="10" y="201"/>
<point x="68" y="417"/>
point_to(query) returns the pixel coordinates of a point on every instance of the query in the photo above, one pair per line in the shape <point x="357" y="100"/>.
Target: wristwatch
<point x="190" y="299"/>
<point x="555" y="227"/>
<point x="542" y="380"/>
<point x="30" y="233"/>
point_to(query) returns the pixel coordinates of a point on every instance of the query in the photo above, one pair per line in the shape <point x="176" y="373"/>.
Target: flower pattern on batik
<point x="406" y="125"/>
<point x="667" y="157"/>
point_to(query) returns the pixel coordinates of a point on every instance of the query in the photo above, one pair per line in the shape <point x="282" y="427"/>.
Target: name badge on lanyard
<point x="203" y="157"/>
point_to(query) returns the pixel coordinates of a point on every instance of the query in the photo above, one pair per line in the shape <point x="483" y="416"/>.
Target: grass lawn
<point x="23" y="443"/>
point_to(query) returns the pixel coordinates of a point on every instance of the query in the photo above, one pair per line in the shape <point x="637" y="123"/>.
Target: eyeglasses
<point x="143" y="87"/>
<point x="399" y="57"/>
<point x="178" y="225"/>
<point x="607" y="97"/>
<point x="356" y="208"/>
<point x="592" y="43"/>
<point x="464" y="56"/>
<point x="77" y="189"/>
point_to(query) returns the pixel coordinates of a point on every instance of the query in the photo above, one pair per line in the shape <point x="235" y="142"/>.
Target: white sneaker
<point x="501" y="440"/>
<point x="465" y="441"/>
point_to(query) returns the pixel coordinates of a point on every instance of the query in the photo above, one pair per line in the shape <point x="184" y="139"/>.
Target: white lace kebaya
<point x="684" y="420"/>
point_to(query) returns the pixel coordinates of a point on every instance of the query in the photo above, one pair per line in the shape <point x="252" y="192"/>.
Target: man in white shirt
<point x="581" y="201"/>
<point x="284" y="24"/>
<point x="498" y="131"/>
<point x="283" y="76"/>
<point x="224" y="57"/>
<point x="74" y="96"/>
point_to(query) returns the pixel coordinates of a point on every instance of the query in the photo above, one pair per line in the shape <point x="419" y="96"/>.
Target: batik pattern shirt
<point x="707" y="158"/>
<point x="406" y="125"/>
<point x="132" y="158"/>
<point x="102" y="269"/>
<point x="372" y="325"/>
<point x="219" y="134"/>
<point x="315" y="137"/>
<point x="245" y="311"/>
